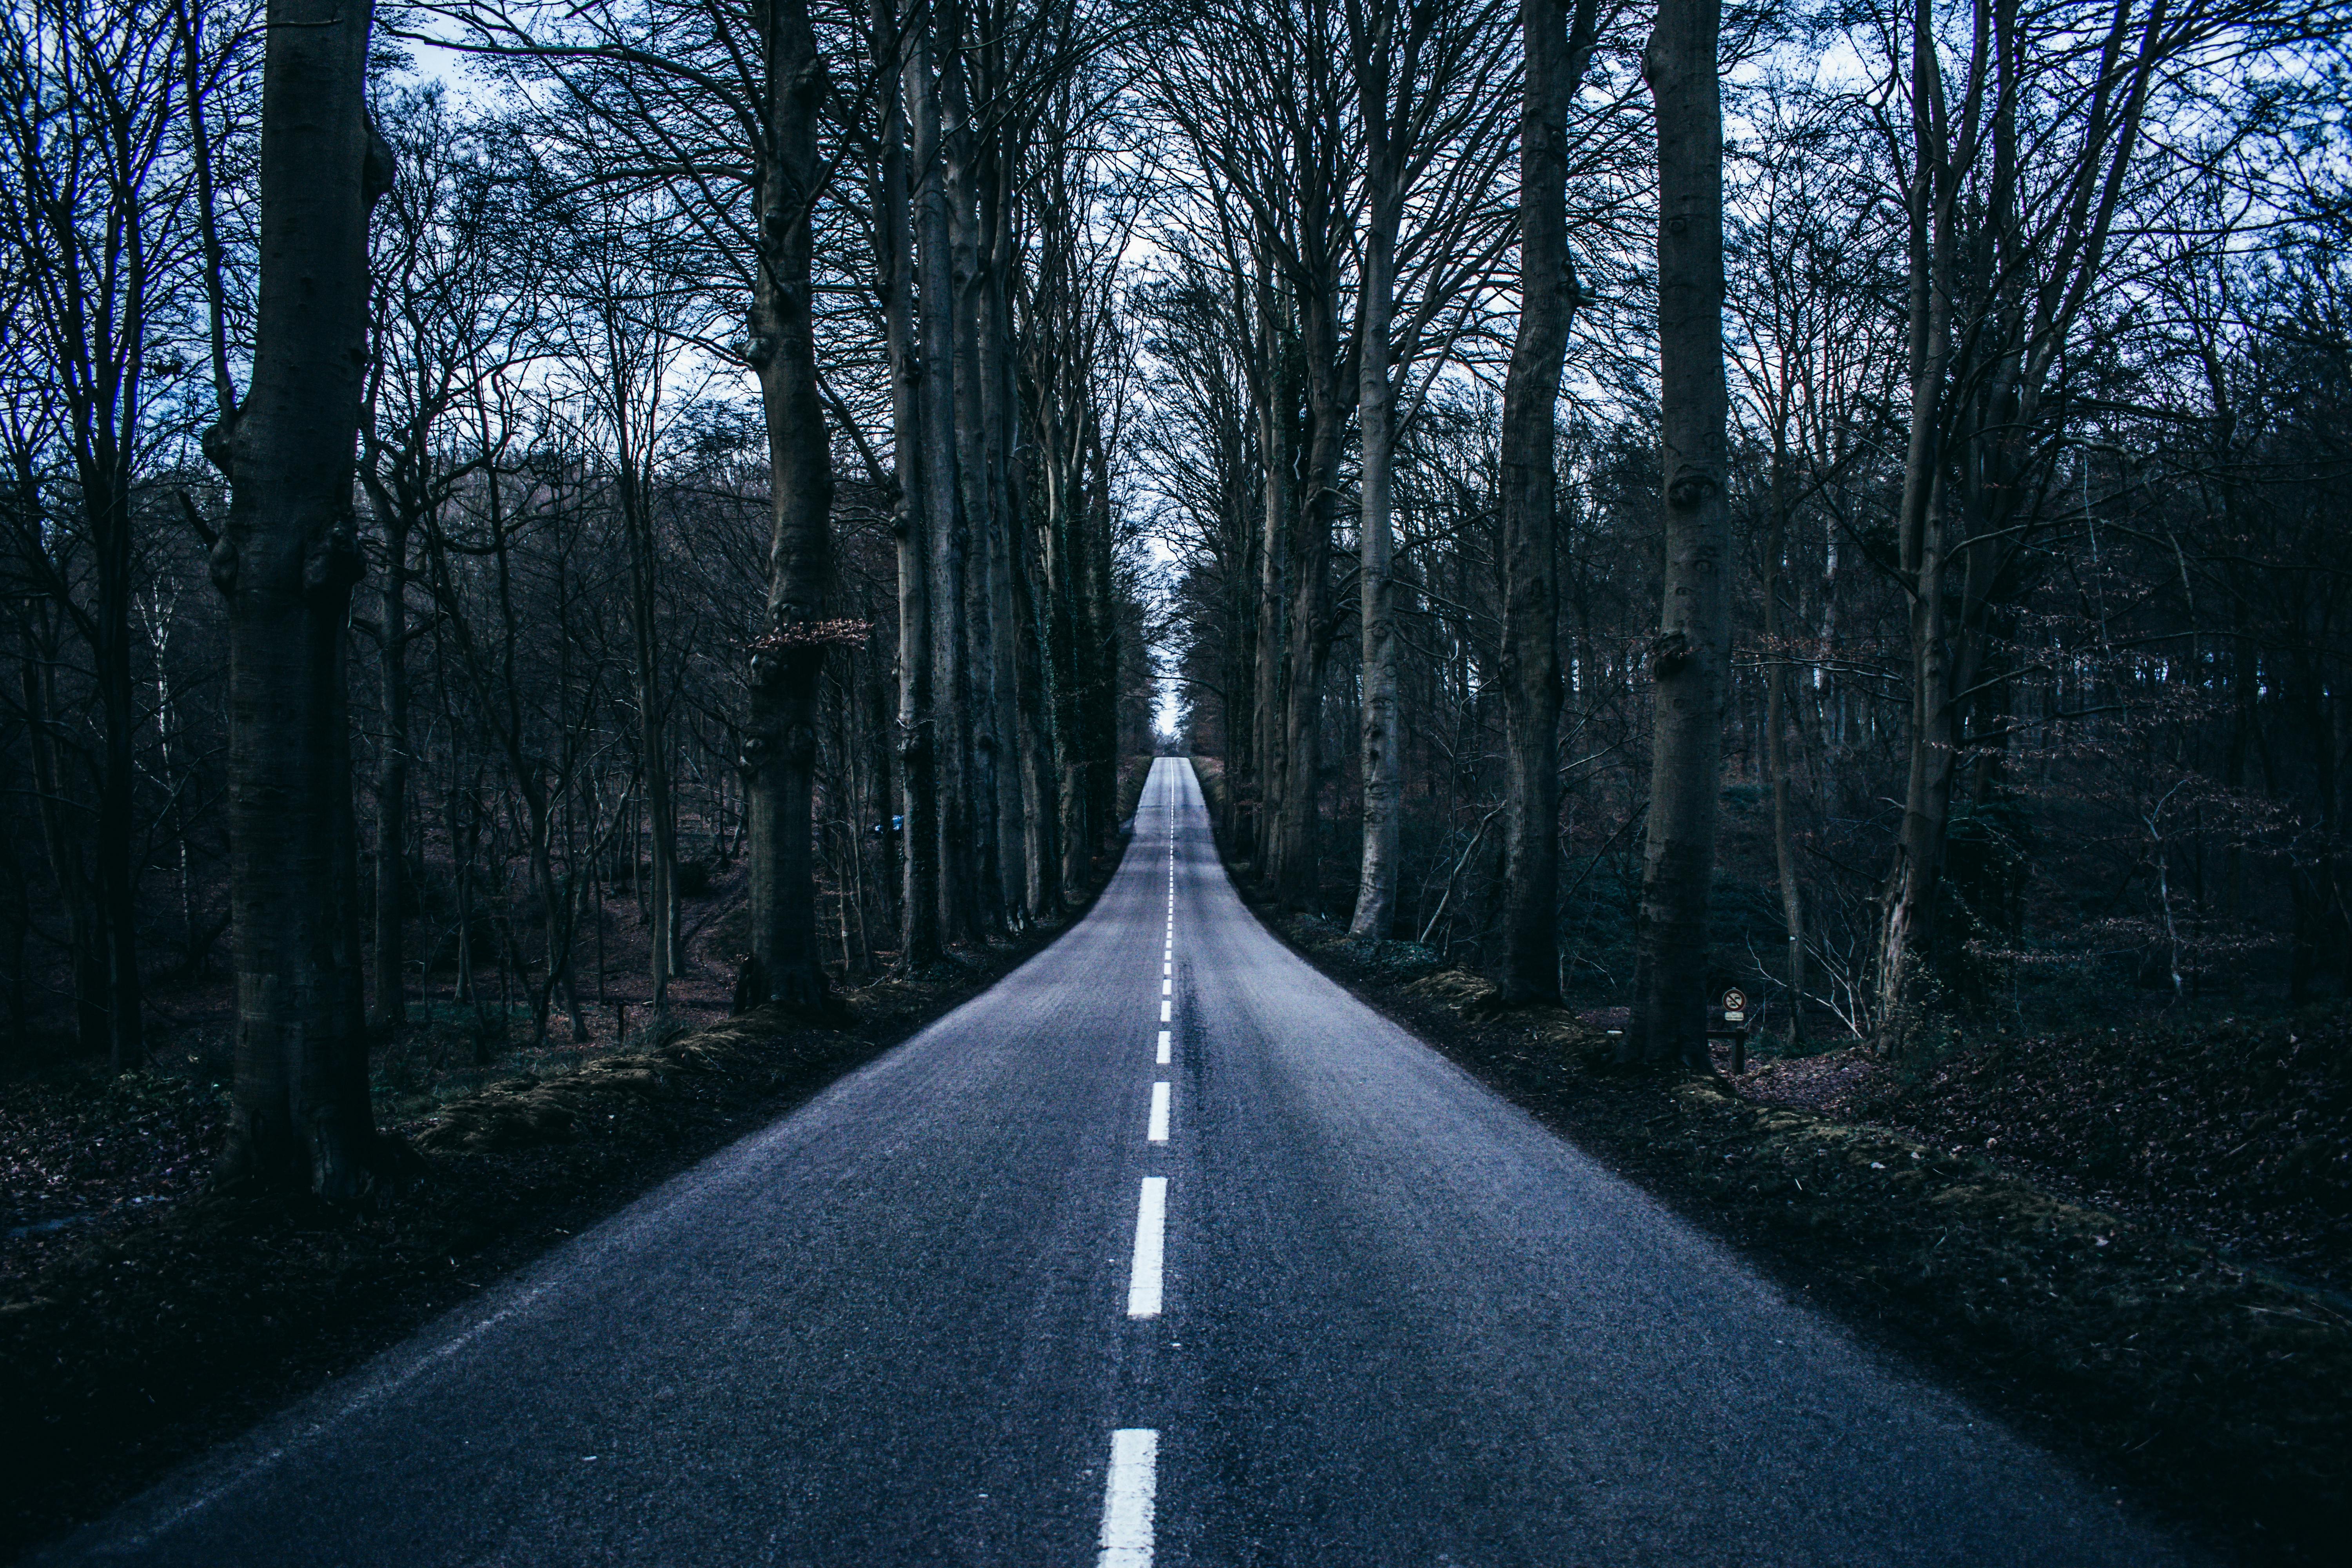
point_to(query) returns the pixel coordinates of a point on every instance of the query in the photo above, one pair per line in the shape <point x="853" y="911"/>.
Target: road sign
<point x="1735" y="1001"/>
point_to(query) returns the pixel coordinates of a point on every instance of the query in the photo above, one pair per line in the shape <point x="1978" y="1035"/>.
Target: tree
<point x="1689" y="661"/>
<point x="98" y="205"/>
<point x="1556" y="51"/>
<point x="287" y="563"/>
<point x="1434" y="136"/>
<point x="787" y="661"/>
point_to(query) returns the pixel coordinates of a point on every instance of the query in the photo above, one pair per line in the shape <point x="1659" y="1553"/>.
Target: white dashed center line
<point x="1163" y="1048"/>
<point x="1127" y="1499"/>
<point x="1163" y="1011"/>
<point x="1156" y="1132"/>
<point x="1167" y="988"/>
<point x="1151" y="1222"/>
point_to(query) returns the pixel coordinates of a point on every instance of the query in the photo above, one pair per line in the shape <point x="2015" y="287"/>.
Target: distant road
<point x="1165" y="1249"/>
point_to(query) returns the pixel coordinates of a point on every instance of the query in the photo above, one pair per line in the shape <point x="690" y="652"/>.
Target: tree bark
<point x="991" y="891"/>
<point x="1297" y="869"/>
<point x="894" y="245"/>
<point x="1776" y="747"/>
<point x="1274" y="445"/>
<point x="1530" y="671"/>
<point x="1690" y="659"/>
<point x="287" y="563"/>
<point x="1908" y="931"/>
<point x="950" y="698"/>
<point x="1015" y="789"/>
<point x="1382" y="757"/>
<point x="391" y="786"/>
<point x="105" y="476"/>
<point x="788" y="662"/>
<point x="653" y="740"/>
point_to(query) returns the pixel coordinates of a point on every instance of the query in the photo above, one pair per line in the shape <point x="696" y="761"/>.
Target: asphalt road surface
<point x="1163" y="1250"/>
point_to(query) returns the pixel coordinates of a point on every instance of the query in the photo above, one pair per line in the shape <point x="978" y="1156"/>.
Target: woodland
<point x="517" y="512"/>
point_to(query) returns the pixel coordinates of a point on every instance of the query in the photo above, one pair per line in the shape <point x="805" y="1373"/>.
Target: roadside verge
<point x="2216" y="1394"/>
<point x="122" y="1353"/>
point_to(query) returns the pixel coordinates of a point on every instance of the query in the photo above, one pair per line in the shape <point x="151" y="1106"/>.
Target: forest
<point x="541" y="533"/>
<point x="1892" y="561"/>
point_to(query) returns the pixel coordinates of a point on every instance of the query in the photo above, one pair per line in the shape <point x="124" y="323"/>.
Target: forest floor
<point x="143" y="1318"/>
<point x="2133" y="1244"/>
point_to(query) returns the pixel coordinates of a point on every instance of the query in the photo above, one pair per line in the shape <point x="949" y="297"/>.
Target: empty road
<point x="1163" y="1250"/>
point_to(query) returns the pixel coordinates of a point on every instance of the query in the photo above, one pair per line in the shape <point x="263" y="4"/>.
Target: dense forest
<point x="517" y="511"/>
<point x="2018" y="643"/>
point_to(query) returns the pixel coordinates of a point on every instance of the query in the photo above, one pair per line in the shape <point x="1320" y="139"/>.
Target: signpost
<point x="1736" y="1028"/>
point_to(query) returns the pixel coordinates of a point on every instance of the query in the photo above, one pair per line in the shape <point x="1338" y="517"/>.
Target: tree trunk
<point x="1530" y="643"/>
<point x="1906" y="936"/>
<point x="1274" y="444"/>
<point x="1776" y="747"/>
<point x="1297" y="870"/>
<point x="1690" y="661"/>
<point x="107" y="495"/>
<point x="1102" y="670"/>
<point x="391" y="786"/>
<point x="1382" y="757"/>
<point x="653" y="743"/>
<point x="788" y="662"/>
<point x="1013" y="786"/>
<point x="918" y="838"/>
<point x="287" y="563"/>
<point x="990" y="892"/>
<point x="943" y="508"/>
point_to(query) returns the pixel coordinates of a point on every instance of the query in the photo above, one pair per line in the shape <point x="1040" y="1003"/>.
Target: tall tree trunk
<point x="1690" y="661"/>
<point x="788" y="662"/>
<point x="653" y="741"/>
<point x="1530" y="644"/>
<point x="990" y="893"/>
<point x="392" y="784"/>
<point x="1066" y="623"/>
<point x="1015" y="789"/>
<point x="1907" y="934"/>
<point x="1776" y="746"/>
<point x="950" y="698"/>
<point x="1102" y="647"/>
<point x="894" y="245"/>
<point x="1297" y="869"/>
<point x="1382" y="757"/>
<point x="107" y="490"/>
<point x="1274" y="444"/>
<point x="287" y="563"/>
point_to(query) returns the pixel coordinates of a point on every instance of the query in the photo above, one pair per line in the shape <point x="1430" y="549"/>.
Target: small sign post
<point x="1735" y="1025"/>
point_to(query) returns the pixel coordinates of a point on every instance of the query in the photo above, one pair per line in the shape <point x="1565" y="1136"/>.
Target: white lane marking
<point x="1157" y="1131"/>
<point x="1163" y="1048"/>
<point x="1165" y="966"/>
<point x="1163" y="1011"/>
<point x="1127" y="1499"/>
<point x="1167" y="988"/>
<point x="1143" y="1276"/>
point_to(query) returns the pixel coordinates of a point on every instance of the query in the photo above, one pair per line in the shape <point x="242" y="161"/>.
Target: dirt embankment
<point x="2214" y="1388"/>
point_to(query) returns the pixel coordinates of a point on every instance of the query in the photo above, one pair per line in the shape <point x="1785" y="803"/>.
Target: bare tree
<point x="1690" y="659"/>
<point x="287" y="563"/>
<point x="1557" y="50"/>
